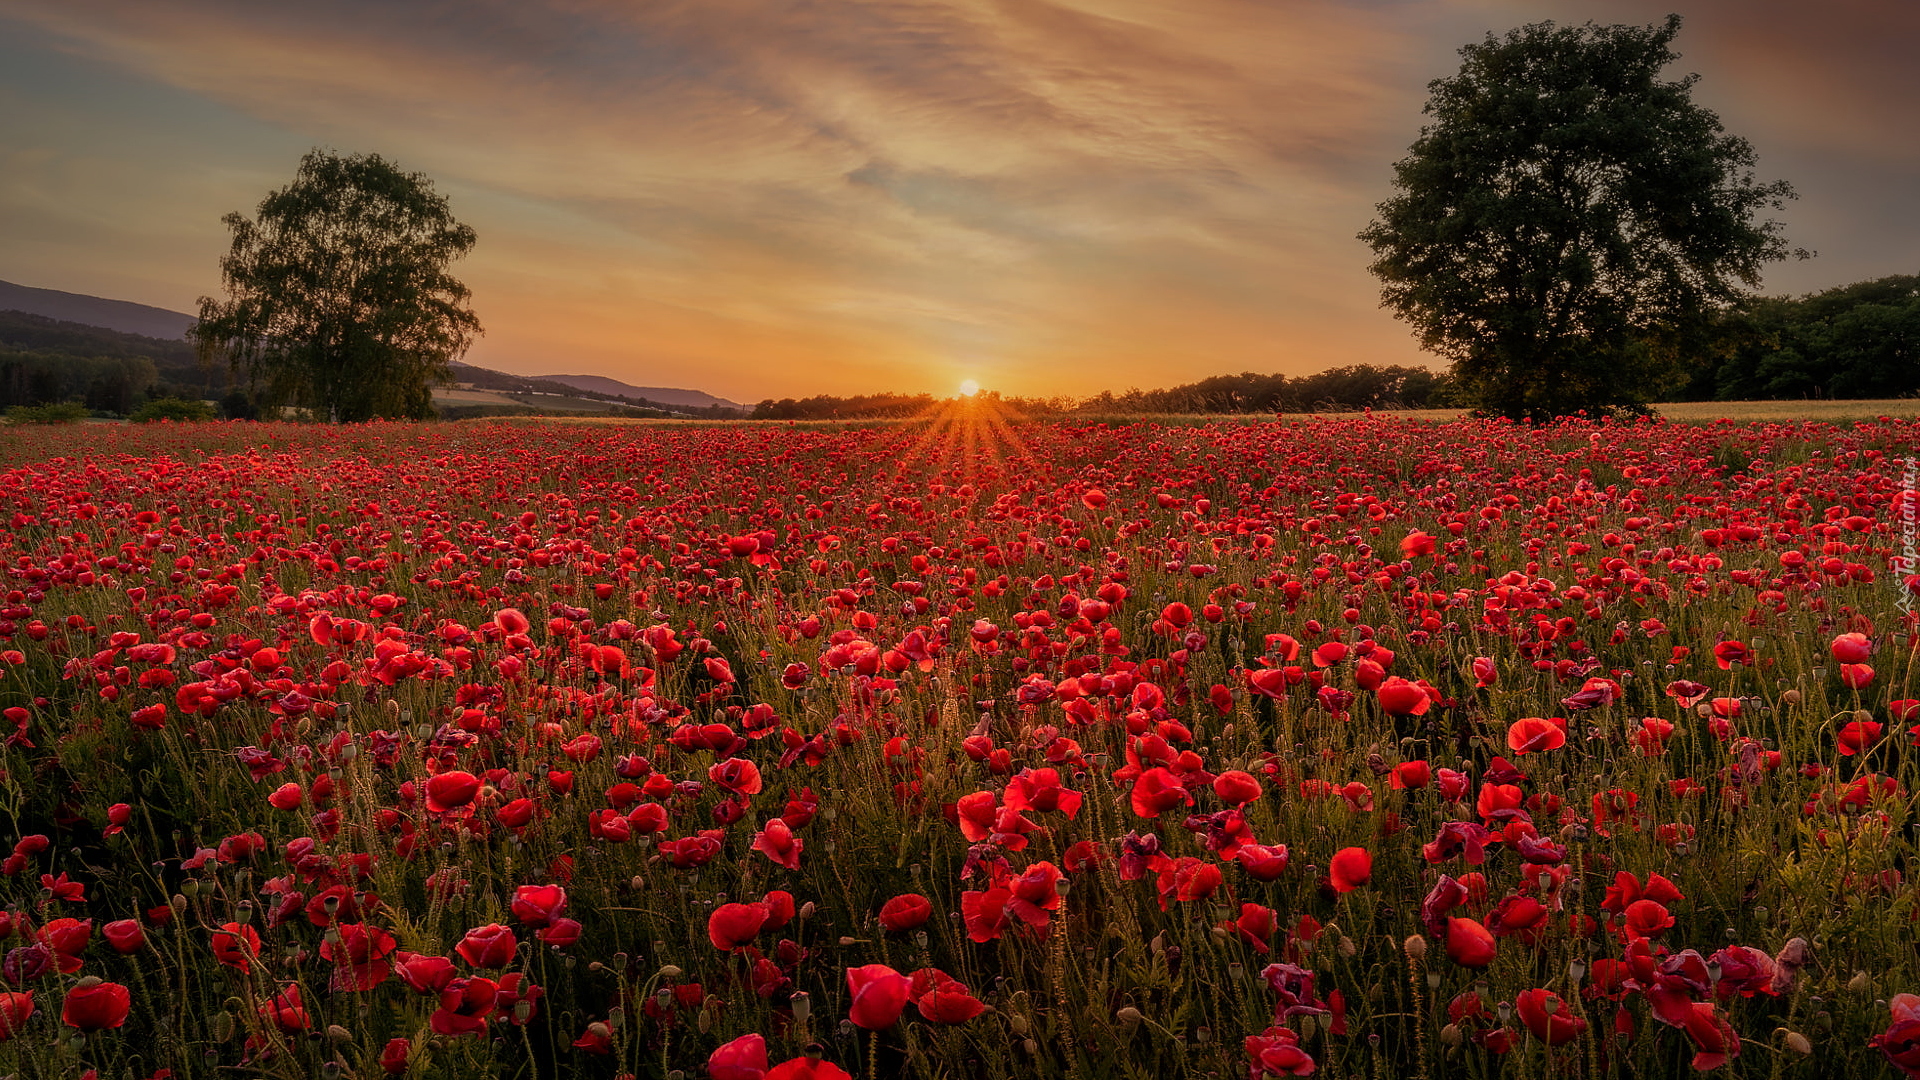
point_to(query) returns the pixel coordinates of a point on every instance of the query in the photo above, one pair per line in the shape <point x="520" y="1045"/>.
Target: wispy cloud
<point x="784" y="197"/>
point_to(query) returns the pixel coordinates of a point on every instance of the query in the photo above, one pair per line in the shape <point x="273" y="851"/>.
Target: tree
<point x="1569" y="221"/>
<point x="340" y="302"/>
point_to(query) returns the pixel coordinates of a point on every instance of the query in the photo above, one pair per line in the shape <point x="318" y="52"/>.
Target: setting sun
<point x="969" y="387"/>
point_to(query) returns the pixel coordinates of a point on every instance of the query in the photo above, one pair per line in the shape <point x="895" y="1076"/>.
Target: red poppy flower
<point x="1329" y="653"/>
<point x="1262" y="862"/>
<point x="778" y="843"/>
<point x="286" y="1010"/>
<point x="451" y="790"/>
<point x="1646" y="919"/>
<point x="360" y="953"/>
<point x="1900" y="1042"/>
<point x="1236" y="787"/>
<point x="424" y="974"/>
<point x="125" y="936"/>
<point x="1549" y="1018"/>
<point x="1187" y="879"/>
<point x="1276" y="1052"/>
<point x="67" y="938"/>
<point x="1402" y="698"/>
<point x="93" y="1005"/>
<point x="985" y="913"/>
<point x="1266" y="682"/>
<point x="1410" y="776"/>
<point x="879" y="995"/>
<point x="16" y="1009"/>
<point x="943" y="999"/>
<point x="908" y="911"/>
<point x="1859" y="735"/>
<point x="1499" y="802"/>
<point x="1158" y="790"/>
<point x="1728" y="653"/>
<point x="464" y="1006"/>
<point x="807" y="1068"/>
<point x="1533" y="733"/>
<point x="489" y="946"/>
<point x="745" y="1058"/>
<point x="1255" y="925"/>
<point x="1851" y="648"/>
<point x="235" y="945"/>
<point x="735" y="926"/>
<point x="738" y="775"/>
<point x="1349" y="869"/>
<point x="538" y="905"/>
<point x="1470" y="944"/>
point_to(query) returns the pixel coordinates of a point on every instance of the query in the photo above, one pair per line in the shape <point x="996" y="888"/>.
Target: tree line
<point x="47" y="361"/>
<point x="1853" y="341"/>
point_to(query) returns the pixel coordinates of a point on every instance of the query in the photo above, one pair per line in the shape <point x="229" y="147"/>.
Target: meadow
<point x="965" y="747"/>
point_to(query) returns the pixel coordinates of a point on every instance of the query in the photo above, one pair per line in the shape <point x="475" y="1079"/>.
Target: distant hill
<point x="121" y="315"/>
<point x="600" y="384"/>
<point x="165" y="330"/>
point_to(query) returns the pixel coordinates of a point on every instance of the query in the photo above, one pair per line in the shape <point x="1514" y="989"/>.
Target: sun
<point x="969" y="387"/>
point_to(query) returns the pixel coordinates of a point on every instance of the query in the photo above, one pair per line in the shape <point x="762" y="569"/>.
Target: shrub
<point x="171" y="408"/>
<point x="64" y="412"/>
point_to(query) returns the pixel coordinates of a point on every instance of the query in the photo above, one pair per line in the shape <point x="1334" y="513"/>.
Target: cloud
<point x="790" y="196"/>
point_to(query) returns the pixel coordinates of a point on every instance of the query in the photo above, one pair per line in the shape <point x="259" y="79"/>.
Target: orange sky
<point x="765" y="199"/>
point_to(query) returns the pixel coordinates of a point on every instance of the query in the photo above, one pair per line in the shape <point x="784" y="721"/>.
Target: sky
<point x="775" y="198"/>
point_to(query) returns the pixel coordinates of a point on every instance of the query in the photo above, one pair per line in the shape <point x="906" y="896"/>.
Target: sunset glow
<point x="969" y="387"/>
<point x="761" y="199"/>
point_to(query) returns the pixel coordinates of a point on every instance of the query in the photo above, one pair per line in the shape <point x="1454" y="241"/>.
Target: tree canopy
<point x="1569" y="221"/>
<point x="1853" y="341"/>
<point x="339" y="301"/>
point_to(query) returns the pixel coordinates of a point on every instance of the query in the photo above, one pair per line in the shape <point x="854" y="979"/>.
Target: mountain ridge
<point x="127" y="317"/>
<point x="124" y="316"/>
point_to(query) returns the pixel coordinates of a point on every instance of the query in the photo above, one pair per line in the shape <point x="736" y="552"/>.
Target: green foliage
<point x="859" y="406"/>
<point x="238" y="406"/>
<point x="72" y="357"/>
<point x="339" y="300"/>
<point x="1854" y="341"/>
<point x="1569" y="220"/>
<point x="169" y="408"/>
<point x="1340" y="389"/>
<point x="113" y="384"/>
<point x="62" y="412"/>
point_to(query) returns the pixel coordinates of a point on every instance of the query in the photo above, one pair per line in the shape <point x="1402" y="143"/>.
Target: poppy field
<point x="966" y="747"/>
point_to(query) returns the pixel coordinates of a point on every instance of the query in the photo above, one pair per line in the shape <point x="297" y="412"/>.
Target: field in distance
<point x="1698" y="412"/>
